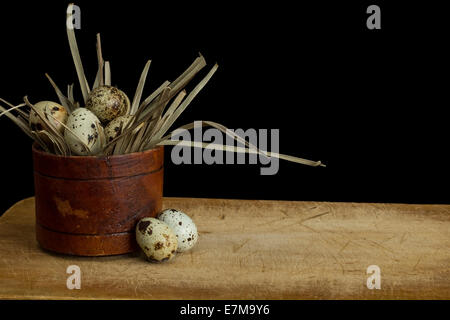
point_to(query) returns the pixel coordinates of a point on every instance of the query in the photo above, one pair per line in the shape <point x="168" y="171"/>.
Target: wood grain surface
<point x="251" y="250"/>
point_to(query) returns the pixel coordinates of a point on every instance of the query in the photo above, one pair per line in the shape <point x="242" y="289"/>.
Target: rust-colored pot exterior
<point x="89" y="206"/>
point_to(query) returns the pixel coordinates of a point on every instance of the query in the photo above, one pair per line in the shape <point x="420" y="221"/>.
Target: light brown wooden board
<point x="251" y="250"/>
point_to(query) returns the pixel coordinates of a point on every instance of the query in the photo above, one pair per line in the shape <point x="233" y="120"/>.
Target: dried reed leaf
<point x="119" y="143"/>
<point x="176" y="102"/>
<point x="145" y="106"/>
<point x="41" y="142"/>
<point x="140" y="88"/>
<point x="220" y="147"/>
<point x="102" y="137"/>
<point x="17" y="121"/>
<point x="188" y="74"/>
<point x="158" y="116"/>
<point x="12" y="108"/>
<point x="134" y="144"/>
<point x="70" y="94"/>
<point x="161" y="103"/>
<point x="23" y="113"/>
<point x="49" y="126"/>
<point x="100" y="60"/>
<point x="107" y="73"/>
<point x="176" y="85"/>
<point x="188" y="100"/>
<point x="65" y="102"/>
<point x="222" y="128"/>
<point x="56" y="144"/>
<point x="250" y="148"/>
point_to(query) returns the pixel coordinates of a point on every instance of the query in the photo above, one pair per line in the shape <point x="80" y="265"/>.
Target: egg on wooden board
<point x="183" y="227"/>
<point x="156" y="239"/>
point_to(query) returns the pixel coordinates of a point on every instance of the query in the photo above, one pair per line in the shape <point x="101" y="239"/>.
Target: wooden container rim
<point x="97" y="167"/>
<point x="37" y="149"/>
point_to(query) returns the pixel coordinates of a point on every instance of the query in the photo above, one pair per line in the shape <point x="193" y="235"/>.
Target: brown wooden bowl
<point x="89" y="206"/>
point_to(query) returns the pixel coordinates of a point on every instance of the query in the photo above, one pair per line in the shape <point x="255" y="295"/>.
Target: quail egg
<point x="183" y="226"/>
<point x="54" y="109"/>
<point x="85" y="125"/>
<point x="112" y="129"/>
<point x="108" y="103"/>
<point x="156" y="239"/>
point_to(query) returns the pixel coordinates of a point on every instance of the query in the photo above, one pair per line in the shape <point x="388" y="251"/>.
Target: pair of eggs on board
<point x="170" y="232"/>
<point x="106" y="105"/>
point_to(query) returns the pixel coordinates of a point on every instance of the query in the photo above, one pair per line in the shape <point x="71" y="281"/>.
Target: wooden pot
<point x="89" y="206"/>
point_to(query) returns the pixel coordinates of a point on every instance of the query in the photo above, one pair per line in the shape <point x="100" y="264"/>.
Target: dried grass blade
<point x="54" y="141"/>
<point x="22" y="113"/>
<point x="101" y="133"/>
<point x="70" y="94"/>
<point x="136" y="138"/>
<point x="225" y="130"/>
<point x="176" y="102"/>
<point x="239" y="150"/>
<point x="140" y="88"/>
<point x="143" y="111"/>
<point x="18" y="122"/>
<point x="97" y="80"/>
<point x="120" y="142"/>
<point x="62" y="98"/>
<point x="12" y="108"/>
<point x="107" y="73"/>
<point x="160" y="102"/>
<point x="188" y="100"/>
<point x="250" y="147"/>
<point x="41" y="142"/>
<point x="179" y="83"/>
<point x="47" y="125"/>
<point x="100" y="60"/>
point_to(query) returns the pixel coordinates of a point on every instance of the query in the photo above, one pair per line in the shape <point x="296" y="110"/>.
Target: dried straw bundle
<point x="152" y="116"/>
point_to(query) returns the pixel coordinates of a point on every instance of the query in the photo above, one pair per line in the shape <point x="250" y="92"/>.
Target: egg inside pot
<point x="184" y="228"/>
<point x="108" y="103"/>
<point x="112" y="129"/>
<point x="54" y="109"/>
<point x="84" y="125"/>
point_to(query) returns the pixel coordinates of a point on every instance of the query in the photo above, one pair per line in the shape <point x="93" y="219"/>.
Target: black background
<point x="368" y="103"/>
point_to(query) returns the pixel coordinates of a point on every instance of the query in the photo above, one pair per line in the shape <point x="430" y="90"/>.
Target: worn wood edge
<point x="40" y="297"/>
<point x="343" y="203"/>
<point x="7" y="212"/>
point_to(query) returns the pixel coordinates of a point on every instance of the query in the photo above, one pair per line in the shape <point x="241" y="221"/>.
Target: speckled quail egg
<point x="183" y="226"/>
<point x="49" y="108"/>
<point x="112" y="129"/>
<point x="85" y="125"/>
<point x="156" y="239"/>
<point x="108" y="103"/>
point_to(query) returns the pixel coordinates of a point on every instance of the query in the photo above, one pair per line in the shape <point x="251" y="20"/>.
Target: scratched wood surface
<point x="251" y="250"/>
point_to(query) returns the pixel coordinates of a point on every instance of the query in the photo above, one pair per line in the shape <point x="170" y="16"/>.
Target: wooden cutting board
<point x="251" y="250"/>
